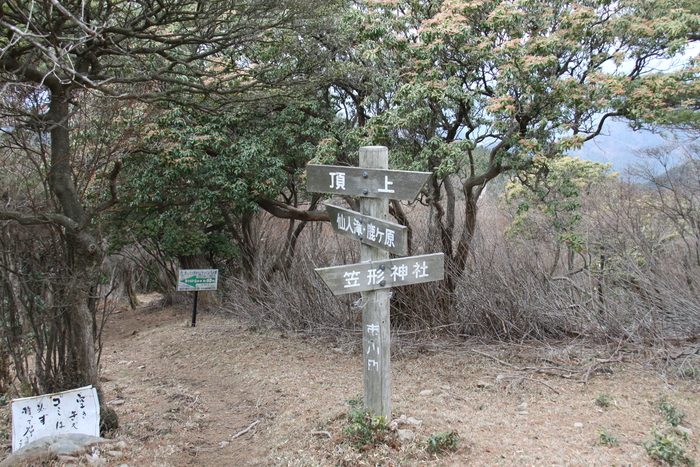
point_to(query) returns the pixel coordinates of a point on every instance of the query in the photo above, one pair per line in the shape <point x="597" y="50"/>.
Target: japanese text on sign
<point x="373" y="349"/>
<point x="373" y="233"/>
<point x="398" y="274"/>
<point x="369" y="230"/>
<point x="395" y="272"/>
<point x="75" y="411"/>
<point x="365" y="182"/>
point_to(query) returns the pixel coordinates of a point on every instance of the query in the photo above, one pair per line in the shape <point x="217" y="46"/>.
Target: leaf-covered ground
<point x="186" y="396"/>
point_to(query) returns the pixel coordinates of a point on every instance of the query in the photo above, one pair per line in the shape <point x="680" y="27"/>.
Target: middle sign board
<point x="369" y="230"/>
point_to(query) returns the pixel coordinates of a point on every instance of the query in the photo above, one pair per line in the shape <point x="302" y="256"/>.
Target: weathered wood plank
<point x="383" y="274"/>
<point x="369" y="230"/>
<point x="365" y="182"/>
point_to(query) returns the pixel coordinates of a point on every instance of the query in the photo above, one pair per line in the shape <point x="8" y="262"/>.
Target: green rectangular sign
<point x="193" y="280"/>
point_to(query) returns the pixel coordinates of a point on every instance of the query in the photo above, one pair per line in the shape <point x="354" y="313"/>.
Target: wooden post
<point x="194" y="308"/>
<point x="375" y="313"/>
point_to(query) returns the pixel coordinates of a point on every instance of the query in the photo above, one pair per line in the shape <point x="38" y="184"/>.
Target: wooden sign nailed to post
<point x="365" y="181"/>
<point x="376" y="273"/>
<point x="369" y="230"/>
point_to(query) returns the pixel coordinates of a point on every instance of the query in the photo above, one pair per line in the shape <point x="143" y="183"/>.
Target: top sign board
<point x="193" y="280"/>
<point x="369" y="183"/>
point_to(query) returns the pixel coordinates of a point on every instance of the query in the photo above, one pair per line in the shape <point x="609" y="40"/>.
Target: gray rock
<point x="50" y="447"/>
<point x="405" y="436"/>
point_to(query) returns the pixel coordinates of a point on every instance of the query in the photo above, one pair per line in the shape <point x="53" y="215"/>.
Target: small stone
<point x="116" y="402"/>
<point x="522" y="406"/>
<point x="116" y="454"/>
<point x="68" y="459"/>
<point x="683" y="431"/>
<point x="96" y="461"/>
<point x="578" y="425"/>
<point x="413" y="421"/>
<point x="121" y="445"/>
<point x="426" y="392"/>
<point x="223" y="444"/>
<point x="405" y="436"/>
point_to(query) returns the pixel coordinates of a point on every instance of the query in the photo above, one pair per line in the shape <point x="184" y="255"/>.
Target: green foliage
<point x="603" y="400"/>
<point x="548" y="199"/>
<point x="446" y="441"/>
<point x="365" y="429"/>
<point x="667" y="449"/>
<point x="671" y="413"/>
<point x="607" y="439"/>
<point x="199" y="181"/>
<point x="356" y="402"/>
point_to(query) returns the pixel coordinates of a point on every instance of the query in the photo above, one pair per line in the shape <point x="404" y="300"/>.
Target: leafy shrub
<point x="445" y="441"/>
<point x="607" y="439"/>
<point x="673" y="415"/>
<point x="365" y="429"/>
<point x="667" y="450"/>
<point x="603" y="400"/>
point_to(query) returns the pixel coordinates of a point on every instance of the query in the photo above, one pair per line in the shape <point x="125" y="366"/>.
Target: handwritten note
<point x="74" y="411"/>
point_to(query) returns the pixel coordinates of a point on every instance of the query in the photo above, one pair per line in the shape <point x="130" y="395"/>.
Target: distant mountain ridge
<point x="617" y="145"/>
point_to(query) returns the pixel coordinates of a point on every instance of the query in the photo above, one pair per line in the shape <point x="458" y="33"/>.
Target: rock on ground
<point x="53" y="447"/>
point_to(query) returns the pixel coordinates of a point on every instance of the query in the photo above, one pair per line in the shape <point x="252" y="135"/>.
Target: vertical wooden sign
<point x="376" y="329"/>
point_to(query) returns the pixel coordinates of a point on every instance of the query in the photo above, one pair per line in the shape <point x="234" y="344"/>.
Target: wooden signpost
<point x="376" y="273"/>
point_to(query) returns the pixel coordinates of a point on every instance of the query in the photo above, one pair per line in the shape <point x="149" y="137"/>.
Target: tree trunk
<point x="83" y="255"/>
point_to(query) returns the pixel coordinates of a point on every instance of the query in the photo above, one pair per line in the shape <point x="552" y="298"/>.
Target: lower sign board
<point x="193" y="280"/>
<point x="374" y="275"/>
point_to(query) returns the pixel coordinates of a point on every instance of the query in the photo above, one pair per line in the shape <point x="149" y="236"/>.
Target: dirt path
<point x="183" y="394"/>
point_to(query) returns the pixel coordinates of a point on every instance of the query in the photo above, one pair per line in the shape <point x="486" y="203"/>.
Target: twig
<point x="494" y="358"/>
<point x="241" y="433"/>
<point x="526" y="378"/>
<point x="596" y="365"/>
<point x="326" y="433"/>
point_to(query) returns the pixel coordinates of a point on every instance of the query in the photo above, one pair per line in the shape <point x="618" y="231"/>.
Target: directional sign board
<point x="370" y="183"/>
<point x="193" y="280"/>
<point x="369" y="230"/>
<point x="362" y="277"/>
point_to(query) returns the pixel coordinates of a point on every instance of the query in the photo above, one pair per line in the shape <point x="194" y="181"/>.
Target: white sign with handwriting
<point x="74" y="411"/>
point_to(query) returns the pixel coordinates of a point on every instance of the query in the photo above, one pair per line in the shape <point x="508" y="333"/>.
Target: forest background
<point x="140" y="137"/>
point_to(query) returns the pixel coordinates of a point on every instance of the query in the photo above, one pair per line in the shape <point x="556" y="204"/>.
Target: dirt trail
<point x="183" y="394"/>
